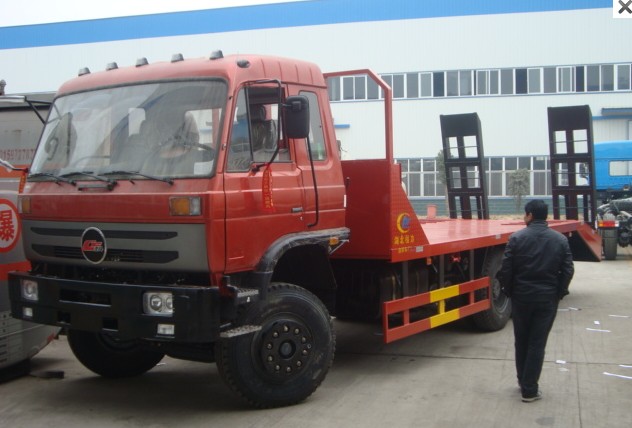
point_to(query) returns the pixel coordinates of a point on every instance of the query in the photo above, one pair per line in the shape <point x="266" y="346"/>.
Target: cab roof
<point x="233" y="68"/>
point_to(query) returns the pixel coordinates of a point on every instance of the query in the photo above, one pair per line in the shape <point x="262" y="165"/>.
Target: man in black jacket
<point x="536" y="271"/>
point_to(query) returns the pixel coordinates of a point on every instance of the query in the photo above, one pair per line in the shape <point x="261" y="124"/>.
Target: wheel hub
<point x="286" y="347"/>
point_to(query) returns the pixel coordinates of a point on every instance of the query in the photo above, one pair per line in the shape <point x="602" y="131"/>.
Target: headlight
<point x="158" y="303"/>
<point x="29" y="289"/>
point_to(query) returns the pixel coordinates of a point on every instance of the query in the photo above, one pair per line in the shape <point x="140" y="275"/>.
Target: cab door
<point x="263" y="186"/>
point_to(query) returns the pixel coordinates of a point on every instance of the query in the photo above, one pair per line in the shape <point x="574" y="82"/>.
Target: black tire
<point x="610" y="248"/>
<point x="109" y="357"/>
<point x="497" y="316"/>
<point x="284" y="362"/>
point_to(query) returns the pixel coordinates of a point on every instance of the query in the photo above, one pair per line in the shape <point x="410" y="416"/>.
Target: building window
<point x="487" y="82"/>
<point x="348" y="92"/>
<point x="623" y="77"/>
<point x="465" y="82"/>
<point x="414" y="184"/>
<point x="426" y="84"/>
<point x="396" y="82"/>
<point x="506" y="81"/>
<point x="565" y="79"/>
<point x="360" y="87"/>
<point x="398" y="86"/>
<point x="540" y="183"/>
<point x="534" y="77"/>
<point x="452" y="83"/>
<point x="550" y="80"/>
<point x="509" y="81"/>
<point x="414" y="177"/>
<point x="524" y="162"/>
<point x="496" y="164"/>
<point x="438" y="79"/>
<point x="333" y="87"/>
<point x="495" y="184"/>
<point x="521" y="80"/>
<point x="459" y="83"/>
<point x="592" y="78"/>
<point x="540" y="163"/>
<point x="494" y="79"/>
<point x="579" y="79"/>
<point x="511" y="164"/>
<point x="412" y="85"/>
<point x="482" y="82"/>
<point x="372" y="90"/>
<point x="429" y="184"/>
<point x="607" y="77"/>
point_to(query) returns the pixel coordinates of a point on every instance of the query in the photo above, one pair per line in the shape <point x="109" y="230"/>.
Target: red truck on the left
<point x="19" y="133"/>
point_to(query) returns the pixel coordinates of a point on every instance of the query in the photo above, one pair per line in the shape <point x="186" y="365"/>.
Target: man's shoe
<point x="533" y="398"/>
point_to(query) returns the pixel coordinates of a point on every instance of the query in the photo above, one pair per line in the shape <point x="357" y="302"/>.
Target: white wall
<point x="511" y="125"/>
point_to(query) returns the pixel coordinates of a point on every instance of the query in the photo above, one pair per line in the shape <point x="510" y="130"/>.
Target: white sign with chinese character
<point x="9" y="226"/>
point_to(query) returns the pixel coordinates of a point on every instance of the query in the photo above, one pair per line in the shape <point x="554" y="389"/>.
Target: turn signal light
<point x="188" y="206"/>
<point x="24" y="205"/>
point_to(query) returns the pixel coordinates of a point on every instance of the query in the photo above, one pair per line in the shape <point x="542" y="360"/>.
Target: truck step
<point x="246" y="295"/>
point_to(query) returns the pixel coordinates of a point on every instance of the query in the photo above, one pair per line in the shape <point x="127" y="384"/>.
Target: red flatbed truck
<point x="199" y="209"/>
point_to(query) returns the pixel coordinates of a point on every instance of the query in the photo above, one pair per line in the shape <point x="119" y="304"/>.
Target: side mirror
<point x="296" y="110"/>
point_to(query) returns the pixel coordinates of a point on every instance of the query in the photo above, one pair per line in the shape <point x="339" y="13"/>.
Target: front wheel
<point x="110" y="357"/>
<point x="284" y="362"/>
<point x="497" y="316"/>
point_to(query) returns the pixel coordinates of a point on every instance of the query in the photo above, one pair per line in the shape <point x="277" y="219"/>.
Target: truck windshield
<point x="167" y="129"/>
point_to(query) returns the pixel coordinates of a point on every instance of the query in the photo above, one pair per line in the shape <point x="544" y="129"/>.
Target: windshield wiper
<point x="151" y="177"/>
<point x="57" y="178"/>
<point x="89" y="174"/>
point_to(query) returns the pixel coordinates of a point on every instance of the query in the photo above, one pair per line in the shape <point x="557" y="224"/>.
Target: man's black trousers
<point x="532" y="323"/>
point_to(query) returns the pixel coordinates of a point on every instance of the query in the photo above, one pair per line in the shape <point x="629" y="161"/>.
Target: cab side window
<point x="255" y="134"/>
<point x="316" y="134"/>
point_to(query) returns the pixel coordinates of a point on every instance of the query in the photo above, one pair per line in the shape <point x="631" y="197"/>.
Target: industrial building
<point x="506" y="61"/>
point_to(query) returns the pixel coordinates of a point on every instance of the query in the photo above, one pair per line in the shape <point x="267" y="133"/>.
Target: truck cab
<point x="164" y="197"/>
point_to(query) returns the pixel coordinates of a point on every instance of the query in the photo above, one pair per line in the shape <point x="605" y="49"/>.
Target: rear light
<point x="607" y="223"/>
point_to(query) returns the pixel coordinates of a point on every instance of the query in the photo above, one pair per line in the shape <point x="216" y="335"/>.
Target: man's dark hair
<point x="537" y="208"/>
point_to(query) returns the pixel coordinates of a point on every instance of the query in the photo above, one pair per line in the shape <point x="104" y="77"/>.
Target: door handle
<point x="297" y="210"/>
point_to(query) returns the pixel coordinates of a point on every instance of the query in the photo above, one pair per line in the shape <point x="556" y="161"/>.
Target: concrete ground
<point x="453" y="376"/>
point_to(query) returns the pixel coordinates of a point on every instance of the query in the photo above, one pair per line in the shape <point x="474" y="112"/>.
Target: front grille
<point x="113" y="254"/>
<point x="130" y="246"/>
<point x="110" y="234"/>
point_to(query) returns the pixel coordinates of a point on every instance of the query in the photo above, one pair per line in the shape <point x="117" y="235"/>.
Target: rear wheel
<point x="284" y="362"/>
<point x="497" y="316"/>
<point x="610" y="248"/>
<point x="110" y="357"/>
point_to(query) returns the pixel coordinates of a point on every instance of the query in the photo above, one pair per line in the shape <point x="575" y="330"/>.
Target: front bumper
<point x="117" y="309"/>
